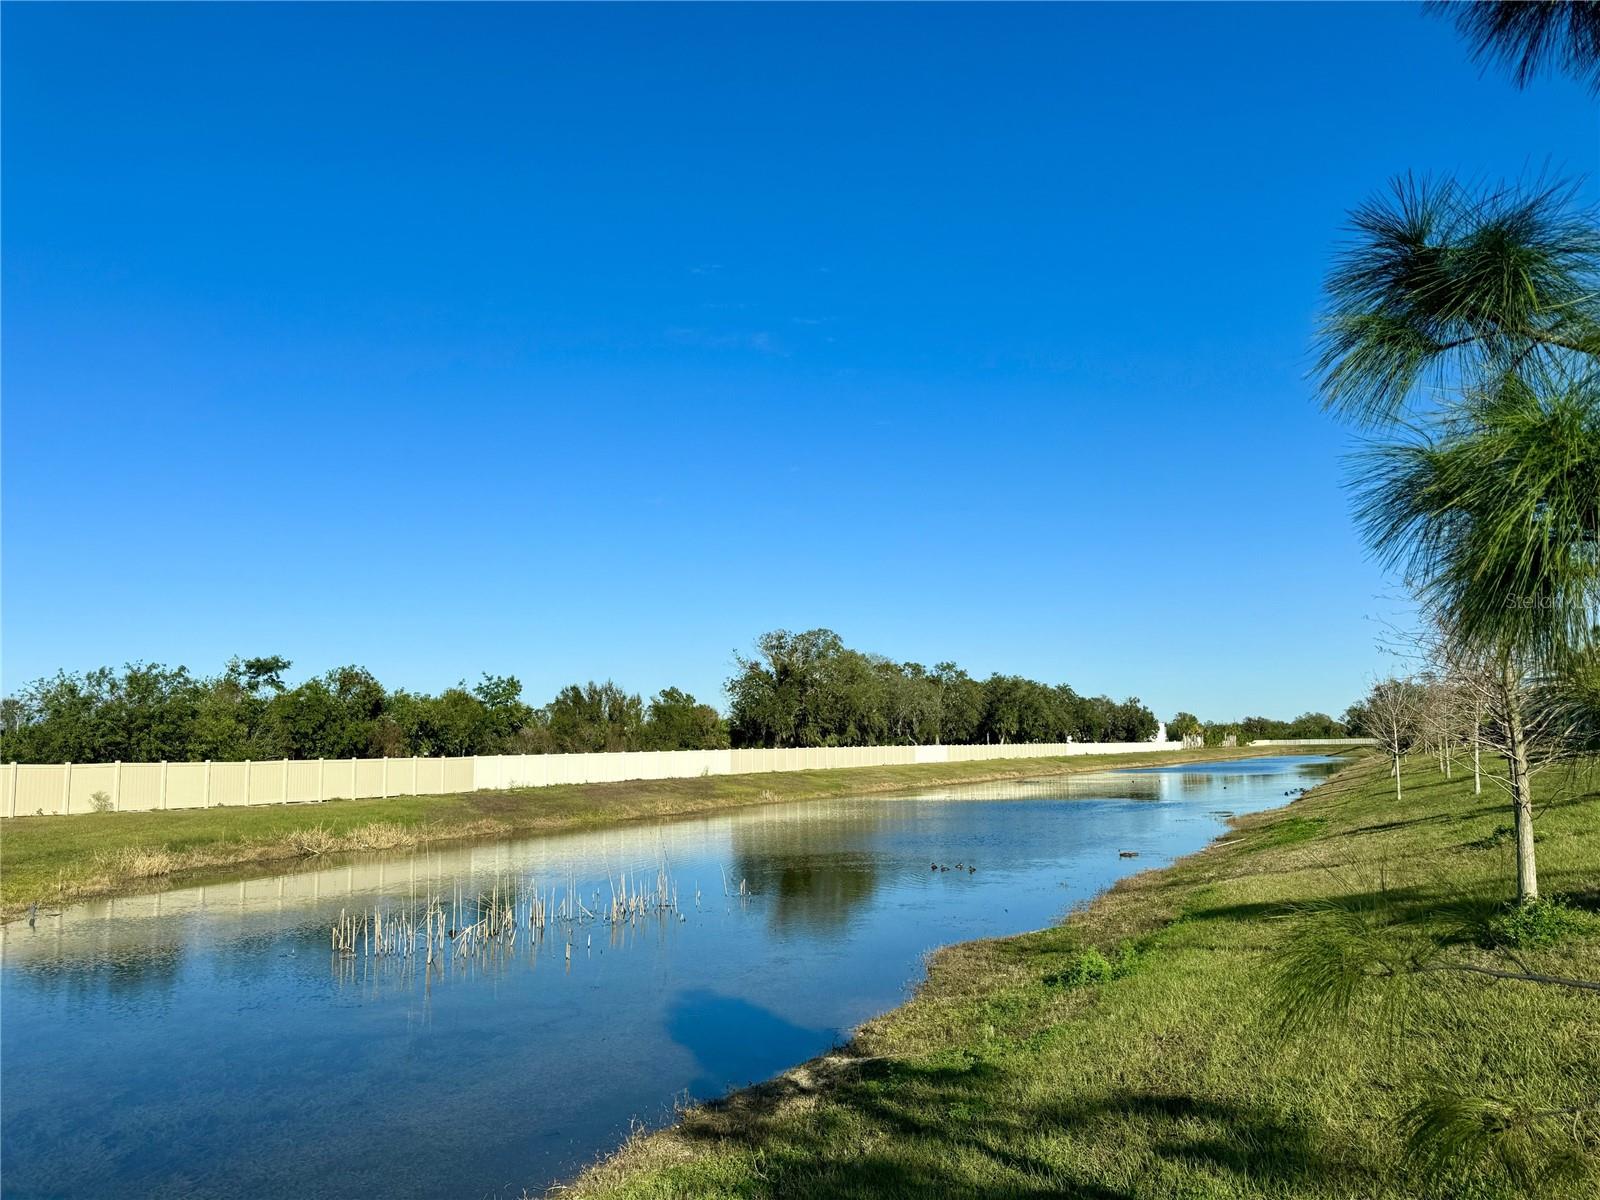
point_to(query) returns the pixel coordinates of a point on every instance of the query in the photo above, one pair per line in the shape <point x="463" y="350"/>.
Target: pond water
<point x="209" y="1042"/>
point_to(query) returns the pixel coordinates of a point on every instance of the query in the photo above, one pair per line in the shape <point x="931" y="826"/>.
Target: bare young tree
<point x="1394" y="707"/>
<point x="1476" y="702"/>
<point x="1510" y="703"/>
<point x="1529" y="730"/>
<point x="1443" y="717"/>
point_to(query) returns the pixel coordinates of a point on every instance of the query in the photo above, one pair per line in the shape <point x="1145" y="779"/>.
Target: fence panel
<point x="371" y="778"/>
<point x="53" y="788"/>
<point x="33" y="790"/>
<point x="186" y="784"/>
<point x="139" y="788"/>
<point x="91" y="784"/>
<point x="457" y="775"/>
<point x="305" y="781"/>
<point x="228" y="784"/>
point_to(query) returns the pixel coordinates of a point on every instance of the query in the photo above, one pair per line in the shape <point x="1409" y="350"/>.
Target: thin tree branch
<point x="1589" y="985"/>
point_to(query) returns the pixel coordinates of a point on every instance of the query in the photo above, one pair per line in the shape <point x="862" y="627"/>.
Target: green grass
<point x="51" y="859"/>
<point x="1288" y="832"/>
<point x="1138" y="1052"/>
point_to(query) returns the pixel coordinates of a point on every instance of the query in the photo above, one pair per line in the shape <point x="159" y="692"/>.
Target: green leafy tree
<point x="594" y="717"/>
<point x="259" y="675"/>
<point x="777" y="697"/>
<point x="675" y="720"/>
<point x="961" y="703"/>
<point x="1183" y="725"/>
<point x="1132" y="721"/>
<point x="505" y="713"/>
<point x="1316" y="725"/>
<point x="914" y="703"/>
<point x="1005" y="708"/>
<point x="1358" y="720"/>
<point x="458" y="724"/>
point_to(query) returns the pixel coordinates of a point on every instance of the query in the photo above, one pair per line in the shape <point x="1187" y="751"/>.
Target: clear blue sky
<point x="580" y="342"/>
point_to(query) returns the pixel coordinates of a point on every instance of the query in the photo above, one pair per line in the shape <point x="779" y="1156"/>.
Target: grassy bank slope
<point x="50" y="859"/>
<point x="1021" y="1069"/>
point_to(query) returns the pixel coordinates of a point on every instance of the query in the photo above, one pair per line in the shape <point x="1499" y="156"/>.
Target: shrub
<point x="99" y="802"/>
<point x="1092" y="967"/>
<point x="1542" y="922"/>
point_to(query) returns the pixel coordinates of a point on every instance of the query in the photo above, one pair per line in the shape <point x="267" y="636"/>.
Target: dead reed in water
<point x="461" y="926"/>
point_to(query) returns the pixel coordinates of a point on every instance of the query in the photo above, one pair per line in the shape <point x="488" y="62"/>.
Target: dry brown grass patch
<point x="381" y="835"/>
<point x="136" y="862"/>
<point x="309" y="842"/>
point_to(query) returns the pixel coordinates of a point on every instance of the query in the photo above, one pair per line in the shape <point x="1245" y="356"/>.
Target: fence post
<point x="163" y="785"/>
<point x="116" y="786"/>
<point x="414" y="775"/>
<point x="283" y="787"/>
<point x="11" y="784"/>
<point x="66" y="790"/>
<point x="322" y="772"/>
<point x="205" y="801"/>
<point x="385" y="777"/>
<point x="247" y="781"/>
<point x="353" y="771"/>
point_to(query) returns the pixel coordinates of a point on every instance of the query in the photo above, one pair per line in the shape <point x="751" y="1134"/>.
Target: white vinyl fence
<point x="1315" y="742"/>
<point x="61" y="788"/>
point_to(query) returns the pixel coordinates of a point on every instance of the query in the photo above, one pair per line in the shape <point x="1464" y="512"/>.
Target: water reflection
<point x="735" y="1041"/>
<point x="815" y="870"/>
<point x="151" y="968"/>
<point x="207" y="1041"/>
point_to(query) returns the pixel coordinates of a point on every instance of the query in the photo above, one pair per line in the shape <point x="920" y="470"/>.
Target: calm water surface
<point x="206" y="1042"/>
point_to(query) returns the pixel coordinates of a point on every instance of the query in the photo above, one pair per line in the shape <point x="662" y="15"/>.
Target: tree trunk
<point x="1397" y="778"/>
<point x="1477" y="744"/>
<point x="1521" y="785"/>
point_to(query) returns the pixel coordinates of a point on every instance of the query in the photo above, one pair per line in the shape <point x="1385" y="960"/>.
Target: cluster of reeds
<point x="633" y="900"/>
<point x="464" y="926"/>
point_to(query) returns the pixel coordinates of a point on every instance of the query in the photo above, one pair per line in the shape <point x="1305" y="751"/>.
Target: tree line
<point x="1307" y="725"/>
<point x="810" y="689"/>
<point x="797" y="689"/>
<point x="800" y="689"/>
<point x="150" y="712"/>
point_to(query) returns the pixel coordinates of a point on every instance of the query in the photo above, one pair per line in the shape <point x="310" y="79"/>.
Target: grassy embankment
<point x="1035" y="1066"/>
<point x="52" y="859"/>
